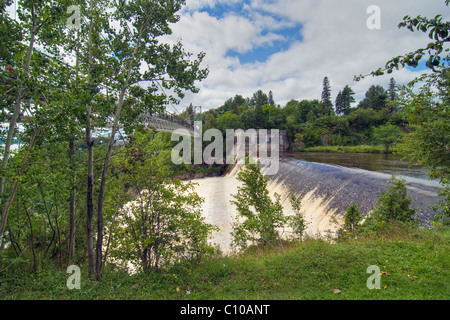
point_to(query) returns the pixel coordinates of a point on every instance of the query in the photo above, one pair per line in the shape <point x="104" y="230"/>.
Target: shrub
<point x="392" y="207"/>
<point x="258" y="216"/>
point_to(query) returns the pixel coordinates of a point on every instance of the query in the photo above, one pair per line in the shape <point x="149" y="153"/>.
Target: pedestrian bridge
<point x="165" y="122"/>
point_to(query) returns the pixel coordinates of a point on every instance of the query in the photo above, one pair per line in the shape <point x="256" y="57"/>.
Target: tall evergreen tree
<point x="339" y="103"/>
<point x="326" y="104"/>
<point x="347" y="99"/>
<point x="392" y="95"/>
<point x="392" y="91"/>
<point x="271" y="101"/>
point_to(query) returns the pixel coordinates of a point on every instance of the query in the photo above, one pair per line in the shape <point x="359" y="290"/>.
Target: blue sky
<point x="289" y="46"/>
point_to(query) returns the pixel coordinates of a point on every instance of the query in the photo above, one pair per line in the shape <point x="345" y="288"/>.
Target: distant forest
<point x="313" y="123"/>
<point x="378" y="119"/>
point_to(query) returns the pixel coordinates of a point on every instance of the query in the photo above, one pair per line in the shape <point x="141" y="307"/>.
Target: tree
<point x="326" y="107"/>
<point x="258" y="216"/>
<point x="228" y="120"/>
<point x="393" y="204"/>
<point x="344" y="100"/>
<point x="352" y="218"/>
<point x="162" y="224"/>
<point x="170" y="66"/>
<point x="387" y="135"/>
<point x="339" y="103"/>
<point x="348" y="99"/>
<point x="297" y="221"/>
<point x="375" y="98"/>
<point x="28" y="74"/>
<point x="270" y="99"/>
<point x="392" y="95"/>
<point x="258" y="99"/>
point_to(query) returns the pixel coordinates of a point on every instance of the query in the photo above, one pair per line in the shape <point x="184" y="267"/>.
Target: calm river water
<point x="386" y="163"/>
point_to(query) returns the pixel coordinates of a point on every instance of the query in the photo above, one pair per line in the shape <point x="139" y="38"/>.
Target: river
<point x="385" y="163"/>
<point x="326" y="184"/>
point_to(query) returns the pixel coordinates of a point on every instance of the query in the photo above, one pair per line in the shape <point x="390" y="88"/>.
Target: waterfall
<point x="324" y="190"/>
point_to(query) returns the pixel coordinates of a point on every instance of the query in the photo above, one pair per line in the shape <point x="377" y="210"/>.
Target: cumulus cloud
<point x="333" y="41"/>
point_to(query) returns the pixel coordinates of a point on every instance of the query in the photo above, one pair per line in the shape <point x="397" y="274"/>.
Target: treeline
<point x="377" y="119"/>
<point x="56" y="190"/>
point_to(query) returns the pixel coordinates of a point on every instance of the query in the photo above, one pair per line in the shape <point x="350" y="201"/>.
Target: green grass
<point x="347" y="149"/>
<point x="413" y="266"/>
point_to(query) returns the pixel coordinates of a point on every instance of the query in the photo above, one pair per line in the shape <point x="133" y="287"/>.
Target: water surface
<point x="385" y="163"/>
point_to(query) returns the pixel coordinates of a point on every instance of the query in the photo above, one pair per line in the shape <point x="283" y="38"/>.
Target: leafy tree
<point x="375" y="98"/>
<point x="274" y="117"/>
<point x="258" y="216"/>
<point x="352" y="218"/>
<point x="393" y="205"/>
<point x="428" y="141"/>
<point x="163" y="223"/>
<point x="387" y="135"/>
<point x="297" y="221"/>
<point x="232" y="104"/>
<point x="228" y="120"/>
<point x="28" y="76"/>
<point x="258" y="99"/>
<point x="168" y="66"/>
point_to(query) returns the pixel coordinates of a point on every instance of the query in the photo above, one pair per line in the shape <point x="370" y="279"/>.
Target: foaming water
<point x="324" y="190"/>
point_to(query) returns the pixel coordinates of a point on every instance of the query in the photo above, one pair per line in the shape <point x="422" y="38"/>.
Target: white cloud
<point x="336" y="43"/>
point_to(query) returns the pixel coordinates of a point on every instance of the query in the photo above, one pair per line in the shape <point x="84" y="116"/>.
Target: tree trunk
<point x="90" y="172"/>
<point x="72" y="211"/>
<point x="89" y="196"/>
<point x="12" y="124"/>
<point x="107" y="158"/>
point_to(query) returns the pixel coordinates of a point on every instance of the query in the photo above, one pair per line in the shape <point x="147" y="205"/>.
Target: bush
<point x="392" y="207"/>
<point x="258" y="216"/>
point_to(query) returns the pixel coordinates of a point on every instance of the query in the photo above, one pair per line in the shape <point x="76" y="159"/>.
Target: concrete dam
<point x="324" y="190"/>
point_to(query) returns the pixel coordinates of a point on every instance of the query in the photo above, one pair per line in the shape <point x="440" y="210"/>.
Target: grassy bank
<point x="413" y="266"/>
<point x="347" y="149"/>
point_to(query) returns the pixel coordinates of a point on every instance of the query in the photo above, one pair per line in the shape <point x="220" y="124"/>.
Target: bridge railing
<point x="165" y="122"/>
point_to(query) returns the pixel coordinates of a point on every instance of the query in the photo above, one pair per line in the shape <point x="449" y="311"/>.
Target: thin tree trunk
<point x="107" y="158"/>
<point x="90" y="172"/>
<point x="72" y="211"/>
<point x="13" y="122"/>
<point x="13" y="188"/>
<point x="35" y="265"/>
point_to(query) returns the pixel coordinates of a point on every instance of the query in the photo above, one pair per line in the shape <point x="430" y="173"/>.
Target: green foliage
<point x="297" y="221"/>
<point x="344" y="100"/>
<point x="387" y="135"/>
<point x="414" y="266"/>
<point x="258" y="216"/>
<point x="162" y="224"/>
<point x="352" y="218"/>
<point x="392" y="206"/>
<point x="375" y="98"/>
<point x="326" y="106"/>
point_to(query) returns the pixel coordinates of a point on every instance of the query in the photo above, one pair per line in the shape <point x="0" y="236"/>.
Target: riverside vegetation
<point x="147" y="220"/>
